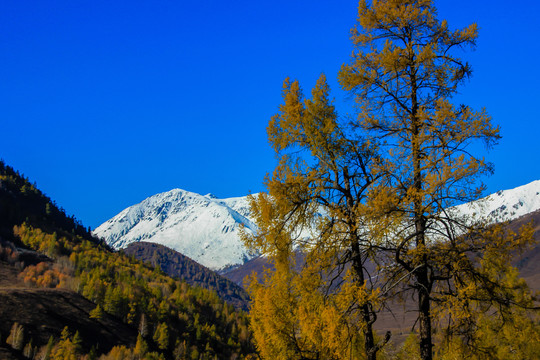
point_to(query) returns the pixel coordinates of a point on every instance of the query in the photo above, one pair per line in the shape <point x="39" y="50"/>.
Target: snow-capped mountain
<point x="504" y="205"/>
<point x="203" y="228"/>
<point x="206" y="229"/>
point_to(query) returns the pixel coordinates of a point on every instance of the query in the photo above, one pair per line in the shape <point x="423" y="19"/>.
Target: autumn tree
<point x="45" y="351"/>
<point x="143" y="326"/>
<point x="29" y="350"/>
<point x="161" y="336"/>
<point x="321" y="304"/>
<point x="141" y="348"/>
<point x="404" y="72"/>
<point x="97" y="313"/>
<point x="69" y="347"/>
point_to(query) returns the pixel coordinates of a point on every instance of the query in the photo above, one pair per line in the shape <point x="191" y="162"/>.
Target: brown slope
<point x="45" y="312"/>
<point x="238" y="274"/>
<point x="528" y="262"/>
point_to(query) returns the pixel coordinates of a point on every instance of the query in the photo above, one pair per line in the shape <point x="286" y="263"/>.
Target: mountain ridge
<point x="206" y="229"/>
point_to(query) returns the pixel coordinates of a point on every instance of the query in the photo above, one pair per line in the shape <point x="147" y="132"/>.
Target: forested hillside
<point x="21" y="201"/>
<point x="65" y="288"/>
<point x="180" y="266"/>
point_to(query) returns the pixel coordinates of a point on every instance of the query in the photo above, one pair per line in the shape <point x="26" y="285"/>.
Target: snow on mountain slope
<point x="203" y="228"/>
<point x="504" y="205"/>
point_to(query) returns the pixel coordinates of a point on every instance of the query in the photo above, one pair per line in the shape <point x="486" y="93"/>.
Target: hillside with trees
<point x="180" y="266"/>
<point x="63" y="287"/>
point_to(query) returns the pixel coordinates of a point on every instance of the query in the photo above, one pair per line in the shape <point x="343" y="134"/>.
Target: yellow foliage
<point x="380" y="188"/>
<point x="313" y="207"/>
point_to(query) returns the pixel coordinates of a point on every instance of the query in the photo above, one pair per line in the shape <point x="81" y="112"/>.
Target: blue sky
<point x="104" y="103"/>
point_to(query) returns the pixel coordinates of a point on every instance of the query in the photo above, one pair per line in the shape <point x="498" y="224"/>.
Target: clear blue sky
<point x="104" y="103"/>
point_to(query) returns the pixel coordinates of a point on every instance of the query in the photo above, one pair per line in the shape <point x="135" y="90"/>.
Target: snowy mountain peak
<point x="203" y="228"/>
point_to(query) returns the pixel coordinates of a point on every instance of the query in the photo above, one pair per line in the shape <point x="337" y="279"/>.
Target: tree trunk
<point x="368" y="315"/>
<point x="369" y="341"/>
<point x="424" y="310"/>
<point x="422" y="278"/>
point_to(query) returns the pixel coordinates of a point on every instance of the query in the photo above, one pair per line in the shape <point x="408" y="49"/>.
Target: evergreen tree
<point x="45" y="352"/>
<point x="29" y="350"/>
<point x="92" y="355"/>
<point x="68" y="348"/>
<point x="141" y="348"/>
<point x="161" y="336"/>
<point x="180" y="351"/>
<point x="381" y="190"/>
<point x="97" y="313"/>
<point x="143" y="326"/>
<point x="76" y="342"/>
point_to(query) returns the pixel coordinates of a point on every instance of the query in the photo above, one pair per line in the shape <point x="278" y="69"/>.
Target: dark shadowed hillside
<point x="21" y="201"/>
<point x="180" y="266"/>
<point x="528" y="263"/>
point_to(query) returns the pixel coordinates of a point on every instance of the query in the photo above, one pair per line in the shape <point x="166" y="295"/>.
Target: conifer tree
<point x="141" y="348"/>
<point x="97" y="313"/>
<point x="404" y="73"/>
<point x="29" y="350"/>
<point x="143" y="326"/>
<point x="321" y="306"/>
<point x="45" y="352"/>
<point x="180" y="351"/>
<point x="161" y="336"/>
<point x="342" y="200"/>
<point x="76" y="342"/>
<point x="64" y="349"/>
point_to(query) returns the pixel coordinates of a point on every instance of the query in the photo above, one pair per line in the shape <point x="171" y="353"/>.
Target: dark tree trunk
<point x="424" y="310"/>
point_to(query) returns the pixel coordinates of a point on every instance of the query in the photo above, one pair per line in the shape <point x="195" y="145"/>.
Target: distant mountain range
<point x="206" y="229"/>
<point x="505" y="205"/>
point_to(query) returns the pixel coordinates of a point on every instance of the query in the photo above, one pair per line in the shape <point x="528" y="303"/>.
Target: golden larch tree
<point x="321" y="299"/>
<point x="404" y="72"/>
